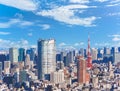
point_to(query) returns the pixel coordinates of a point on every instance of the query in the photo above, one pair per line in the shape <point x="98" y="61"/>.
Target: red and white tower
<point x="89" y="57"/>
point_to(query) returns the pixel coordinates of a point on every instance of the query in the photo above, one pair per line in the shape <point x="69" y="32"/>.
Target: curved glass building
<point x="46" y="58"/>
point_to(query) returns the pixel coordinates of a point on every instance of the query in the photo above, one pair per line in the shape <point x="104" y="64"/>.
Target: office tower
<point x="23" y="76"/>
<point x="0" y="70"/>
<point x="106" y="50"/>
<point x="7" y="66"/>
<point x="114" y="50"/>
<point x="27" y="61"/>
<point x="31" y="52"/>
<point x="82" y="75"/>
<point x="100" y="54"/>
<point x="57" y="77"/>
<point x="13" y="55"/>
<point x="21" y="56"/>
<point x="89" y="57"/>
<point x="116" y="58"/>
<point x="70" y="58"/>
<point x="94" y="54"/>
<point x="110" y="66"/>
<point x="60" y="65"/>
<point x="58" y="57"/>
<point x="75" y="53"/>
<point x="46" y="58"/>
<point x="108" y="57"/>
<point x="118" y="49"/>
<point x="82" y="52"/>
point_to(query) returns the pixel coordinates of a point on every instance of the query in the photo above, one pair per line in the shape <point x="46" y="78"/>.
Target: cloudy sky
<point x="23" y="22"/>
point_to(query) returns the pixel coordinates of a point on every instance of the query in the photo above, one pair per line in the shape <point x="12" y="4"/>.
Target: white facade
<point x="46" y="57"/>
<point x="94" y="53"/>
<point x="7" y="67"/>
<point x="117" y="58"/>
<point x="13" y="55"/>
<point x="57" y="77"/>
<point x="0" y="70"/>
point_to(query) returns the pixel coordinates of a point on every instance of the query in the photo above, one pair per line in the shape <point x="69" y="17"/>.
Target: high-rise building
<point x="94" y="54"/>
<point x="82" y="52"/>
<point x="89" y="57"/>
<point x="7" y="66"/>
<point x="21" y="56"/>
<point x="57" y="77"/>
<point x="27" y="61"/>
<point x="46" y="58"/>
<point x="70" y="58"/>
<point x="23" y="76"/>
<point x="82" y="74"/>
<point x="112" y="50"/>
<point x="31" y="52"/>
<point x="107" y="50"/>
<point x="13" y="55"/>
<point x="0" y="70"/>
<point x="116" y="58"/>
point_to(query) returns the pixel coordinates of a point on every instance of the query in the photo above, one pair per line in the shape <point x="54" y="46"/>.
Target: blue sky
<point x="23" y="22"/>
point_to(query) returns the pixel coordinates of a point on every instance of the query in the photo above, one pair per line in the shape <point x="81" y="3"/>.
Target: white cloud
<point x="66" y="14"/>
<point x="26" y="23"/>
<point x="115" y="37"/>
<point x="114" y="14"/>
<point x="114" y="3"/>
<point x="30" y="34"/>
<point x="102" y="44"/>
<point x="101" y="0"/>
<point x="79" y="44"/>
<point x="62" y="44"/>
<point x="79" y="1"/>
<point x="8" y="43"/>
<point x="15" y="21"/>
<point x="28" y="5"/>
<point x="45" y="26"/>
<point x="5" y="33"/>
<point x="18" y="15"/>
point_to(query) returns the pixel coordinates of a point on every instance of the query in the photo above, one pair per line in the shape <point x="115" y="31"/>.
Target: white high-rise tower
<point x="46" y="58"/>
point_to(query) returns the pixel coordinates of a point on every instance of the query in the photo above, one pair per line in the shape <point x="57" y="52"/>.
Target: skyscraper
<point x="13" y="55"/>
<point x="7" y="67"/>
<point x="94" y="53"/>
<point x="0" y="70"/>
<point x="31" y="52"/>
<point x="89" y="57"/>
<point x="21" y="56"/>
<point x="46" y="58"/>
<point x="82" y="75"/>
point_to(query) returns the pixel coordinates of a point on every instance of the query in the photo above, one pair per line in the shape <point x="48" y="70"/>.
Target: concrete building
<point x="13" y="55"/>
<point x="57" y="77"/>
<point x="94" y="53"/>
<point x="46" y="58"/>
<point x="0" y="70"/>
<point x="27" y="61"/>
<point x="116" y="58"/>
<point x="7" y="66"/>
<point x="82" y="75"/>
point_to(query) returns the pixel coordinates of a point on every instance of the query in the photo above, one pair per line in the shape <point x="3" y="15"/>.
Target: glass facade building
<point x="46" y="58"/>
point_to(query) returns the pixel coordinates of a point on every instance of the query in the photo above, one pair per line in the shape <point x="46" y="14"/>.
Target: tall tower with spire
<point x="89" y="57"/>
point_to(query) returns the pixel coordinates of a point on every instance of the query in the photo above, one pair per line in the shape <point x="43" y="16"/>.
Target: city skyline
<point x="23" y="22"/>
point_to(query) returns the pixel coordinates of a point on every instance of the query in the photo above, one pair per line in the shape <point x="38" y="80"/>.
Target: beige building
<point x="57" y="76"/>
